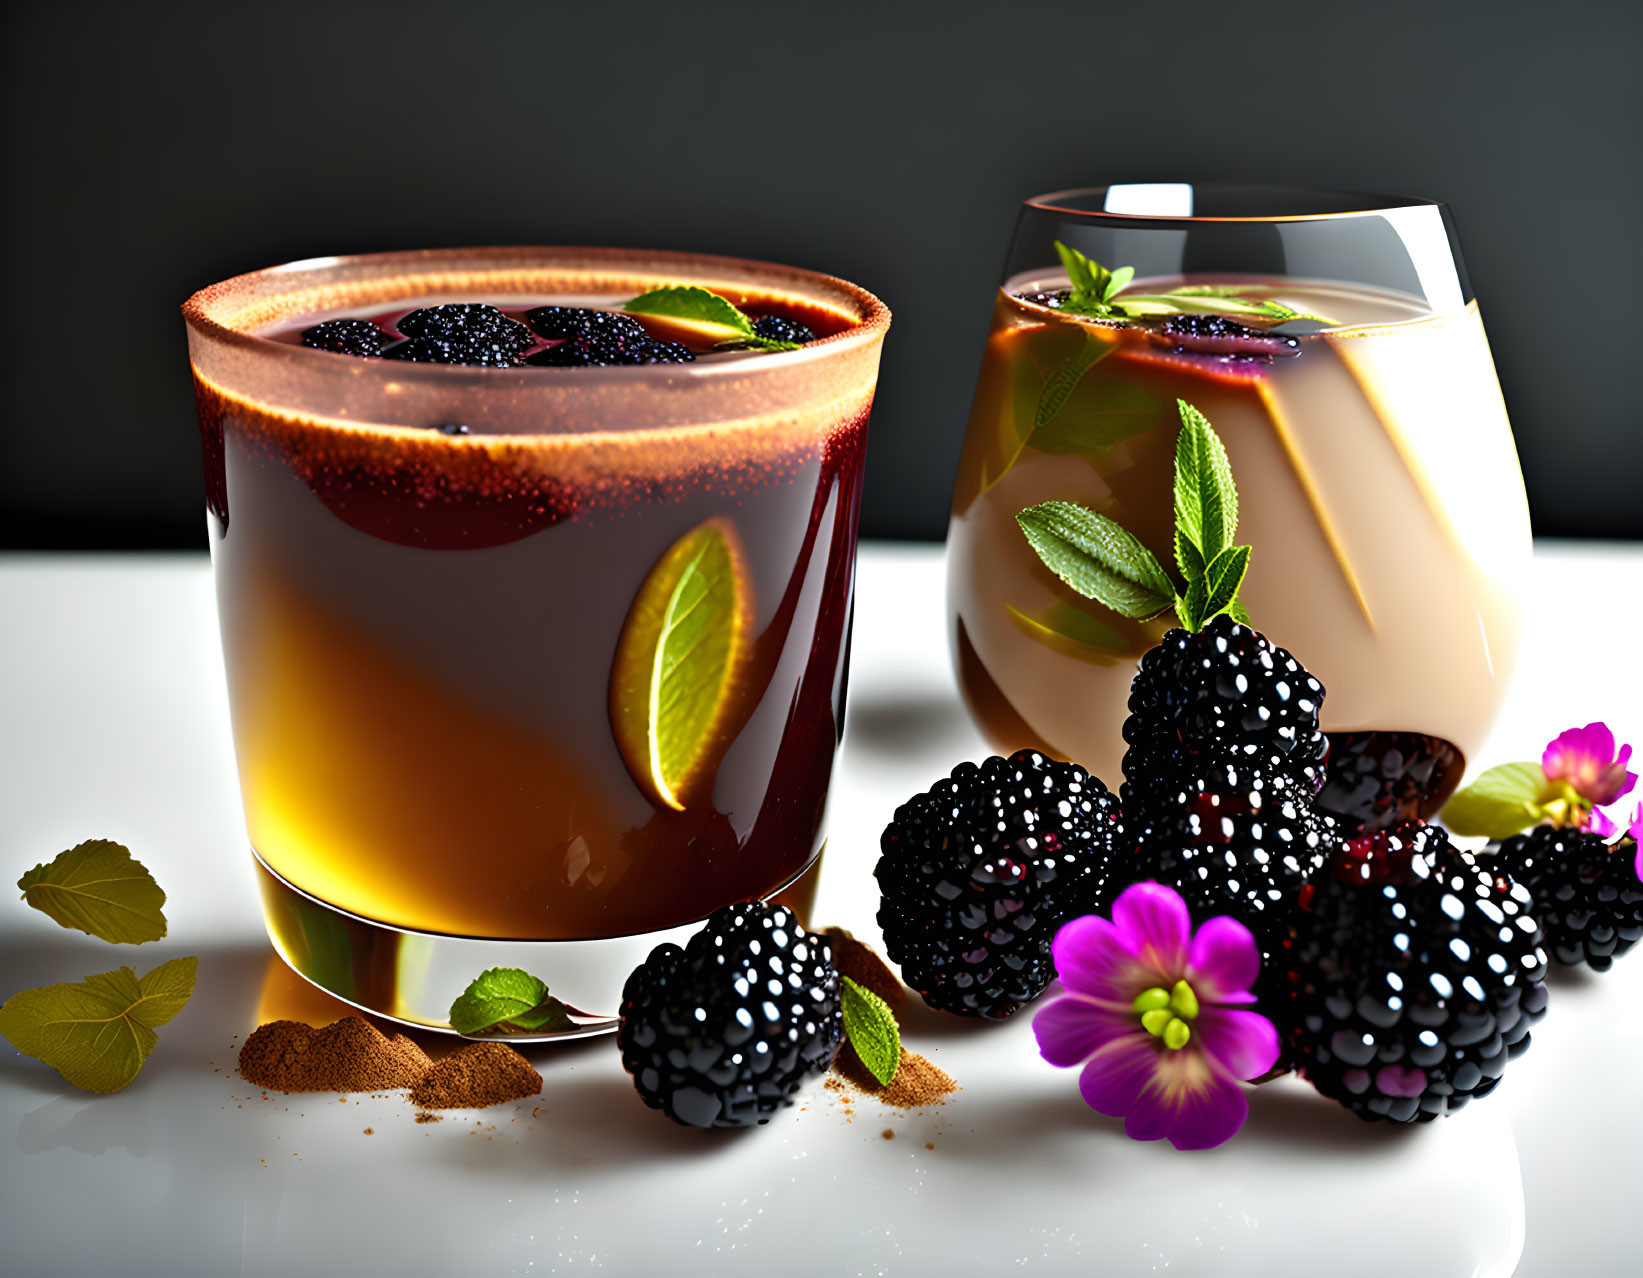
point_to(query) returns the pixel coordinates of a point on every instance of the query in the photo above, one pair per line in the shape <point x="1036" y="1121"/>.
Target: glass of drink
<point x="535" y="625"/>
<point x="1333" y="341"/>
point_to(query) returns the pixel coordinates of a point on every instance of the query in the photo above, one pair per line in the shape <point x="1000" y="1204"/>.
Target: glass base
<point x="414" y="977"/>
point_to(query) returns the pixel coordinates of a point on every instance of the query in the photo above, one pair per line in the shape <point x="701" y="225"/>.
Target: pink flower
<point x="1586" y="759"/>
<point x="1150" y="1010"/>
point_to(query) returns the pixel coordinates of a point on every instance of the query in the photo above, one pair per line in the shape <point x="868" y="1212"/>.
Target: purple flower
<point x="1585" y="758"/>
<point x="1150" y="1009"/>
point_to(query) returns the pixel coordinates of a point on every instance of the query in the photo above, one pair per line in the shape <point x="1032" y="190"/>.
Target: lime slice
<point x="677" y="660"/>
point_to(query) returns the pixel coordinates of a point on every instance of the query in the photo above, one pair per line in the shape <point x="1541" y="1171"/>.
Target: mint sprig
<point x="1102" y="561"/>
<point x="692" y="304"/>
<point x="508" y="999"/>
<point x="1099" y="293"/>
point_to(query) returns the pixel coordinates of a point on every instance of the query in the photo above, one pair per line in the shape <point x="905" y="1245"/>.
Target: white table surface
<point x="113" y="723"/>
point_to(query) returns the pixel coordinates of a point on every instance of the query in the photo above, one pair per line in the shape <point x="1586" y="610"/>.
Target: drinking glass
<point x="527" y="667"/>
<point x="1377" y="478"/>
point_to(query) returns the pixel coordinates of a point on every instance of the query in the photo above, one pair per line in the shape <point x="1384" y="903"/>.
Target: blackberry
<point x="723" y="1032"/>
<point x="1377" y="779"/>
<point x="776" y="328"/>
<point x="1227" y="689"/>
<point x="1586" y="892"/>
<point x="1162" y="776"/>
<point x="1413" y="975"/>
<point x="602" y="350"/>
<point x="1247" y="853"/>
<point x="346" y="337"/>
<point x="555" y="322"/>
<point x="478" y="351"/>
<point x="1218" y="335"/>
<point x="978" y="873"/>
<point x="470" y="323"/>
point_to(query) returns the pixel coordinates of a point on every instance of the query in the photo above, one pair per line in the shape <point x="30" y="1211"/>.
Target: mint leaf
<point x="507" y="998"/>
<point x="99" y="888"/>
<point x="1223" y="578"/>
<point x="1060" y="383"/>
<point x="1501" y="802"/>
<point x="1206" y="499"/>
<point x="1102" y="413"/>
<point x="1188" y="558"/>
<point x="1091" y="282"/>
<point x="97" y="1033"/>
<point x="1189" y="608"/>
<point x="1117" y="281"/>
<point x="1097" y="558"/>
<point x="704" y="308"/>
<point x="1239" y="613"/>
<point x="871" y="1027"/>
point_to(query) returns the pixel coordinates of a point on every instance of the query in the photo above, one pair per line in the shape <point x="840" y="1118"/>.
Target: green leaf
<point x="694" y="305"/>
<point x="1097" y="558"/>
<point x="871" y="1027"/>
<point x="1060" y="383"/>
<point x="1222" y="580"/>
<point x="1239" y="613"/>
<point x="757" y="344"/>
<point x="1117" y="281"/>
<point x="1190" y="607"/>
<point x="1188" y="558"/>
<point x="1206" y="499"/>
<point x="508" y="998"/>
<point x="1072" y="632"/>
<point x="676" y="661"/>
<point x="98" y="888"/>
<point x="1502" y="801"/>
<point x="1091" y="283"/>
<point x="98" y="1033"/>
<point x="1101" y="412"/>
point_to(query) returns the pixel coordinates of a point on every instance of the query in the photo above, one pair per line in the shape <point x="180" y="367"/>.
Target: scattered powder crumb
<point x="864" y="967"/>
<point x="423" y="1116"/>
<point x="370" y="1131"/>
<point x="929" y="1144"/>
<point x="475" y="1077"/>
<point x="349" y="1055"/>
<point x="917" y="1083"/>
<point x="889" y="1133"/>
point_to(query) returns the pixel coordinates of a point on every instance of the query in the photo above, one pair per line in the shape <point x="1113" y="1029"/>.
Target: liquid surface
<point x="1378" y="487"/>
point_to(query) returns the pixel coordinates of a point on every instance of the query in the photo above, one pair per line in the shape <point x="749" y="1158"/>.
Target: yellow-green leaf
<point x="100" y="889"/>
<point x="1072" y="632"/>
<point x="871" y="1027"/>
<point x="1502" y="801"/>
<point x="677" y="661"/>
<point x="98" y="1033"/>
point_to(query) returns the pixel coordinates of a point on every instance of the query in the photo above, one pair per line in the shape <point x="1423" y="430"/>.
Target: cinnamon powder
<point x="476" y="1077"/>
<point x="917" y="1081"/>
<point x="864" y="967"/>
<point x="350" y="1055"/>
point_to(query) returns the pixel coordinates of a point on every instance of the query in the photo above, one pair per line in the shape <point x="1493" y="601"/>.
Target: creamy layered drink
<point x="1378" y="485"/>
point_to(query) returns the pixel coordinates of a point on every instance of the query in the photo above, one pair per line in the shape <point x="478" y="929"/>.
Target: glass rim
<point x="871" y="314"/>
<point x="1361" y="203"/>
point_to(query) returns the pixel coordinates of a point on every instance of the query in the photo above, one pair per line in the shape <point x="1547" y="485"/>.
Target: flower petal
<point x="1154" y="924"/>
<point x="1071" y="1028"/>
<point x="1209" y="1116"/>
<point x="1224" y="960"/>
<point x="1237" y="1044"/>
<point x="1118" y="1074"/>
<point x="1091" y="958"/>
<point x="1598" y="823"/>
<point x="1575" y="750"/>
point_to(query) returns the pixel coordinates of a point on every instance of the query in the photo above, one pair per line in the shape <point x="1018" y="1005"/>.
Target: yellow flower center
<point x="1165" y="1013"/>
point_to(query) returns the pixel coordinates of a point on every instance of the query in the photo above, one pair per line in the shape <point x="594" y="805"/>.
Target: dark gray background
<point x="149" y="149"/>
